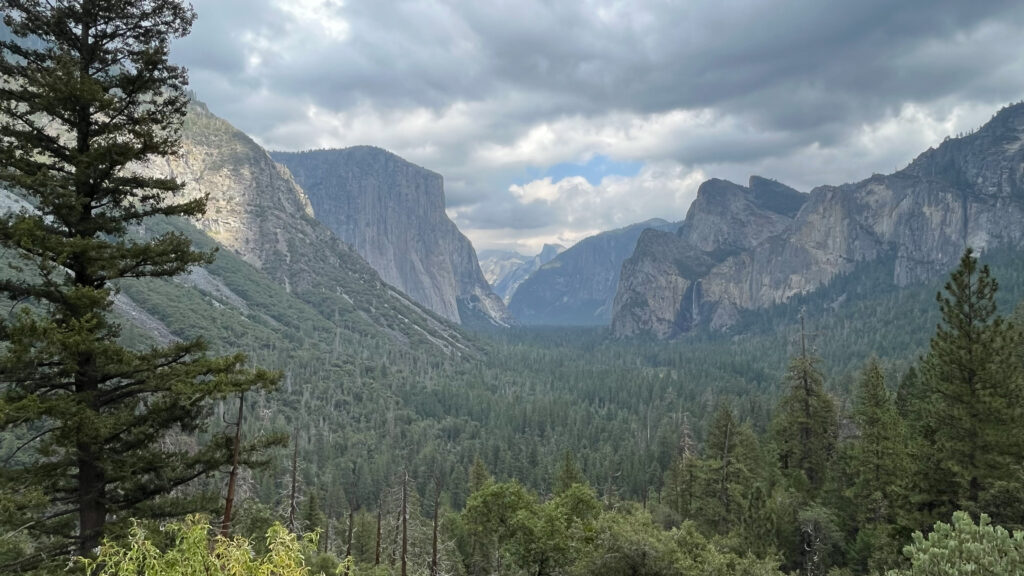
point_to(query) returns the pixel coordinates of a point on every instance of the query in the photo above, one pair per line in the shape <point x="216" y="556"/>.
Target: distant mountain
<point x="507" y="270"/>
<point x="497" y="264"/>
<point x="260" y="215"/>
<point x="393" y="213"/>
<point x="577" y="287"/>
<point x="735" y="253"/>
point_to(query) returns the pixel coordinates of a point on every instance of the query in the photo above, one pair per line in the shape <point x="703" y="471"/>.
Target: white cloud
<point x="493" y="93"/>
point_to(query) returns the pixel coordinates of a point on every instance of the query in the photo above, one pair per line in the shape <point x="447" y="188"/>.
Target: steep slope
<point x="968" y="191"/>
<point x="660" y="291"/>
<point x="393" y="213"/>
<point x="510" y="269"/>
<point x="577" y="287"/>
<point x="258" y="212"/>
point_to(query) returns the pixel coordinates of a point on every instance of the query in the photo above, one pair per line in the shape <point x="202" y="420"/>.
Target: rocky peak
<point x="393" y="213"/>
<point x="969" y="191"/>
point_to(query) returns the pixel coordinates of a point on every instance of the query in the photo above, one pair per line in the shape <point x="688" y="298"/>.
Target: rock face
<point x="577" y="287"/>
<point x="507" y="270"/>
<point x="967" y="192"/>
<point x="393" y="213"/>
<point x="257" y="211"/>
<point x="661" y="289"/>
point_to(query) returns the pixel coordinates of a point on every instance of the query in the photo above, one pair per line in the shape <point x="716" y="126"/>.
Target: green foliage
<point x="194" y="553"/>
<point x="109" y="431"/>
<point x="568" y="475"/>
<point x="879" y="461"/>
<point x="806" y="424"/>
<point x="968" y="437"/>
<point x="628" y="542"/>
<point x="964" y="548"/>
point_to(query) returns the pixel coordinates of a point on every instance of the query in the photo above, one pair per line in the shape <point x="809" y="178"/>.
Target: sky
<point x="552" y="120"/>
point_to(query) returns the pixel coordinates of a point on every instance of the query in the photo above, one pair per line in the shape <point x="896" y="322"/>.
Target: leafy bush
<point x="965" y="549"/>
<point x="195" y="554"/>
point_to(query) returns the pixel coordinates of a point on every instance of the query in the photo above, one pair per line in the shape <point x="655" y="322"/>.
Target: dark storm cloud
<point x="482" y="90"/>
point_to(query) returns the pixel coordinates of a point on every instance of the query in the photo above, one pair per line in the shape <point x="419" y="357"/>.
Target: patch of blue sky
<point x="594" y="170"/>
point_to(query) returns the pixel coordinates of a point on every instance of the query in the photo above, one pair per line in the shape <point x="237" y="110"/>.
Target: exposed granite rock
<point x="967" y="192"/>
<point x="577" y="287"/>
<point x="393" y="213"/>
<point x="505" y="271"/>
<point x="661" y="291"/>
<point x="257" y="210"/>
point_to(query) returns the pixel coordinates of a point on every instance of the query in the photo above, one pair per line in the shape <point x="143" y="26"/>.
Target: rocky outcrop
<point x="505" y="271"/>
<point x="967" y="192"/>
<point x="577" y="287"/>
<point x="661" y="291"/>
<point x="393" y="213"/>
<point x="256" y="210"/>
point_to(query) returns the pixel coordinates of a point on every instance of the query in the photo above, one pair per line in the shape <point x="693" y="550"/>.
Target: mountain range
<point x="578" y="286"/>
<point x="505" y="270"/>
<point x="744" y="248"/>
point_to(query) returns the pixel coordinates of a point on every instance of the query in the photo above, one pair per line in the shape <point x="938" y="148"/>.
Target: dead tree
<point x="229" y="500"/>
<point x="437" y="505"/>
<point x="405" y="520"/>
<point x="293" y="492"/>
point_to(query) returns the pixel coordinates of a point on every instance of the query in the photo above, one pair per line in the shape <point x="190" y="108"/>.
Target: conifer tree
<point x="478" y="475"/>
<point x="683" y="476"/>
<point x="568" y="474"/>
<point x="879" y="459"/>
<point x="806" y="423"/>
<point x="730" y="464"/>
<point x="878" y="470"/>
<point x="87" y="96"/>
<point x="973" y="395"/>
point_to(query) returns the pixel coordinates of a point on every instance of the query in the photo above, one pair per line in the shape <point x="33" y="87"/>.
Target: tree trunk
<point x="229" y="500"/>
<point x="405" y="521"/>
<point x="351" y="526"/>
<point x="437" y="504"/>
<point x="293" y="495"/>
<point x="376" y="557"/>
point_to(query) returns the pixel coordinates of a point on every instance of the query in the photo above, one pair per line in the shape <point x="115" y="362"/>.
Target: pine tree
<point x="878" y="470"/>
<point x="973" y="381"/>
<point x="478" y="475"/>
<point x="731" y="461"/>
<point x="87" y="96"/>
<point x="806" y="422"/>
<point x="568" y="474"/>
<point x="682" y="479"/>
<point x="879" y="459"/>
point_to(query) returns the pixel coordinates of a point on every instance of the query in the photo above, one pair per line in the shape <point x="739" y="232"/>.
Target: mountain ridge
<point x="967" y="191"/>
<point x="392" y="212"/>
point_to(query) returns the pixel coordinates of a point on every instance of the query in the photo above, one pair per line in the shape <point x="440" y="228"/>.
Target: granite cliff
<point x="734" y="255"/>
<point x="258" y="213"/>
<point x="577" y="287"/>
<point x="392" y="212"/>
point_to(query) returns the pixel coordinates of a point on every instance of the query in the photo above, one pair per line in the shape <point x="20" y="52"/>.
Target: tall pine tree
<point x="87" y="95"/>
<point x="970" y="435"/>
<point x="878" y="468"/>
<point x="806" y="423"/>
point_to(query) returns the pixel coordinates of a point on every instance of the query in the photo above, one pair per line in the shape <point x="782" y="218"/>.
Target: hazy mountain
<point x="577" y="287"/>
<point x="393" y="213"/>
<point x="967" y="192"/>
<point x="506" y="270"/>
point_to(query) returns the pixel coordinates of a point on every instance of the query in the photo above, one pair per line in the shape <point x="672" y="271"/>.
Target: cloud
<point x="491" y="94"/>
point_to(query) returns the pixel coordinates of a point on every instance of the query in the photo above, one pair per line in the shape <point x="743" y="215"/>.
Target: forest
<point x="862" y="428"/>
